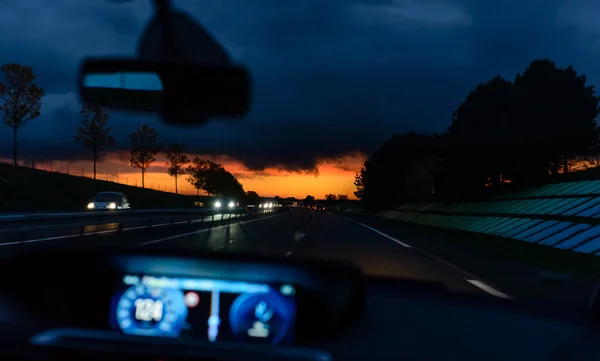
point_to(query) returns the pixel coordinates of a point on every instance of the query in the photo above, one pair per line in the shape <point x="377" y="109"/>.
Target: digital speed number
<point x="147" y="309"/>
<point x="151" y="311"/>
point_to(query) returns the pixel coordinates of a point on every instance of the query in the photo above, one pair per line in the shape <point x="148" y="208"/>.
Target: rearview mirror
<point x="124" y="80"/>
<point x="180" y="92"/>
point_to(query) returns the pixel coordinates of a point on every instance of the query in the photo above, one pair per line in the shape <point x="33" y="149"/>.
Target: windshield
<point x="448" y="141"/>
<point x="106" y="197"/>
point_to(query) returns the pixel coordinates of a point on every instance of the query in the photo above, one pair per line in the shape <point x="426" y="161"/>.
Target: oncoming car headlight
<point x="231" y="204"/>
<point x="217" y="204"/>
<point x="112" y="205"/>
<point x="91" y="205"/>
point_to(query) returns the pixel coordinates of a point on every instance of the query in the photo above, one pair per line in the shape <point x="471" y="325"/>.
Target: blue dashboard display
<point x="205" y="308"/>
<point x="151" y="311"/>
<point x="260" y="316"/>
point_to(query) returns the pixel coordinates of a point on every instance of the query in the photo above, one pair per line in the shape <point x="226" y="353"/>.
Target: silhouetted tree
<point x="199" y="171"/>
<point x="252" y="197"/>
<point x="309" y="200"/>
<point x="359" y="184"/>
<point x="478" y="139"/>
<point x="504" y="134"/>
<point x="143" y="148"/>
<point x="330" y="197"/>
<point x="401" y="170"/>
<point x="93" y="132"/>
<point x="556" y="112"/>
<point x="20" y="99"/>
<point x="223" y="183"/>
<point x="176" y="159"/>
<point x="214" y="179"/>
<point x="342" y="197"/>
<point x="520" y="133"/>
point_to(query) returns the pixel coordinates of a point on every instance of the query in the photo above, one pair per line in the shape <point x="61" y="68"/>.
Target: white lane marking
<point x="386" y="235"/>
<point x="489" y="289"/>
<point x="60" y="237"/>
<point x="346" y="218"/>
<point x="108" y="231"/>
<point x="38" y="240"/>
<point x="472" y="279"/>
<point x="134" y="228"/>
<point x="9" y="243"/>
<point x="298" y="236"/>
<point x="77" y="235"/>
<point x="201" y="231"/>
<point x="91" y="213"/>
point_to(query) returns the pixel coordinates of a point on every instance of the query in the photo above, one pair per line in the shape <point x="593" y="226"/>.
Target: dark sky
<point x="331" y="76"/>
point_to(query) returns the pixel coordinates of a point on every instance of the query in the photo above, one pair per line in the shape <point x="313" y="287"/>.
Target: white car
<point x="109" y="201"/>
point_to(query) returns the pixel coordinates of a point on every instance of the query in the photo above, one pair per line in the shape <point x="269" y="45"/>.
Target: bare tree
<point x="143" y="148"/>
<point x="93" y="132"/>
<point x="176" y="160"/>
<point x="20" y="99"/>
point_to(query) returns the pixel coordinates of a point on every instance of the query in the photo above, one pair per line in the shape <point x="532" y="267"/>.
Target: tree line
<point x="21" y="101"/>
<point x="505" y="135"/>
<point x="333" y="197"/>
<point x="202" y="174"/>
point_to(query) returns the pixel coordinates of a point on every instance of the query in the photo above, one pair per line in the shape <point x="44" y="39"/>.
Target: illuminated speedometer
<point x="151" y="311"/>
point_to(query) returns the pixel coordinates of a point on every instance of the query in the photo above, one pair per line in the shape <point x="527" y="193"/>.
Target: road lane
<point x="524" y="280"/>
<point x="99" y="236"/>
<point x="379" y="248"/>
<point x="332" y="237"/>
<point x="46" y="230"/>
<point x="265" y="235"/>
<point x="301" y="233"/>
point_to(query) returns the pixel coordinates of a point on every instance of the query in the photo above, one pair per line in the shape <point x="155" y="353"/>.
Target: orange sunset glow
<point x="334" y="176"/>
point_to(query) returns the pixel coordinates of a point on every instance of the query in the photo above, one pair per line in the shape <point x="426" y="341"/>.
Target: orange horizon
<point x="334" y="176"/>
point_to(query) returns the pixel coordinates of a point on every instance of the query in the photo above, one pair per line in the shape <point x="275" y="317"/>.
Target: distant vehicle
<point x="226" y="203"/>
<point x="198" y="204"/>
<point x="319" y="208"/>
<point x="266" y="205"/>
<point x="109" y="200"/>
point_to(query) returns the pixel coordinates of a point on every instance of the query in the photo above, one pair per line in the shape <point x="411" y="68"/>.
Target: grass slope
<point x="27" y="189"/>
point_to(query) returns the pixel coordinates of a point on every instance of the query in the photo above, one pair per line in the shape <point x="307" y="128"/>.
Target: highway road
<point x="301" y="233"/>
<point x="379" y="248"/>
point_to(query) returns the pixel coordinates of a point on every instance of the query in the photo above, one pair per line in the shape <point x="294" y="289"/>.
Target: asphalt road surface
<point x="302" y="233"/>
<point x="385" y="249"/>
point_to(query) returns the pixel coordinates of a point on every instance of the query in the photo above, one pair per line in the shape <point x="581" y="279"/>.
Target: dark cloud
<point x="254" y="175"/>
<point x="331" y="77"/>
<point x="345" y="168"/>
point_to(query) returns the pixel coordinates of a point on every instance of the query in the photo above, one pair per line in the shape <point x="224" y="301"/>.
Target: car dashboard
<point x="119" y="304"/>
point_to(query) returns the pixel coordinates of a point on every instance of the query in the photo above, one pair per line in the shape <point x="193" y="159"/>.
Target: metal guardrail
<point x="125" y="221"/>
<point x="54" y="216"/>
<point x="563" y="215"/>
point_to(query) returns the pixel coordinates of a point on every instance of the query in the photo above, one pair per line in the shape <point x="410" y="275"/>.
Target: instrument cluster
<point x="201" y="308"/>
